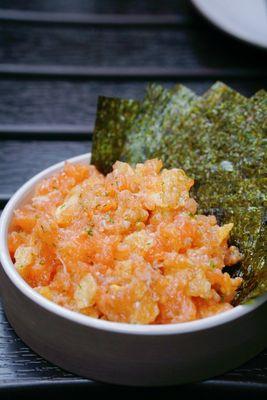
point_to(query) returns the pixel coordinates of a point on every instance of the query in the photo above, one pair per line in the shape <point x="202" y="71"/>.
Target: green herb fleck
<point x="212" y="264"/>
<point x="89" y="231"/>
<point x="110" y="219"/>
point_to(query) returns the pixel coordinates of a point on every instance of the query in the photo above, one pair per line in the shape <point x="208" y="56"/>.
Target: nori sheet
<point x="241" y="192"/>
<point x="255" y="277"/>
<point x="131" y="131"/>
<point x="160" y="110"/>
<point x="209" y="140"/>
<point x="249" y="235"/>
<point x="113" y="118"/>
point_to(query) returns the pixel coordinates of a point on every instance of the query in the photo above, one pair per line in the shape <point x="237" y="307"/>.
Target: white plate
<point x="244" y="19"/>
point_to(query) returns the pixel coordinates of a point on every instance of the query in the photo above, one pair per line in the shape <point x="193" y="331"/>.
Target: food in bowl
<point x="125" y="247"/>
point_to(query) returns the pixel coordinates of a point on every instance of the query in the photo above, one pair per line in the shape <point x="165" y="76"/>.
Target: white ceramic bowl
<point x="119" y="353"/>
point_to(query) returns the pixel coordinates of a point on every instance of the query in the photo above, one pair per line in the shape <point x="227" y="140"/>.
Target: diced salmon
<point x="126" y="247"/>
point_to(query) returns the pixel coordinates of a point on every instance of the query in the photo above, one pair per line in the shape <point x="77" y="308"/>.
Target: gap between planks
<point x="4" y="197"/>
<point x="96" y="72"/>
<point x="46" y="132"/>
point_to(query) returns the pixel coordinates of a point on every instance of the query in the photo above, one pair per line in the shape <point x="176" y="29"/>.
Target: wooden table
<point x="56" y="57"/>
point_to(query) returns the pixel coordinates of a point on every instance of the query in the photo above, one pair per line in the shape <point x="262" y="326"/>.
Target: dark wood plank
<point x="39" y="106"/>
<point x="17" y="361"/>
<point x="97" y="6"/>
<point x="57" y="102"/>
<point x="190" y="50"/>
<point x="20" y="160"/>
<point x="79" y="19"/>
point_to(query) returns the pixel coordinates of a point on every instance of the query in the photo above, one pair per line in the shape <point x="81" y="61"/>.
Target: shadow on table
<point x="200" y="391"/>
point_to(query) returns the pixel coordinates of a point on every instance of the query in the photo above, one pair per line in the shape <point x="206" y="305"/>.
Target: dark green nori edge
<point x="255" y="284"/>
<point x="249" y="235"/>
<point x="113" y="118"/>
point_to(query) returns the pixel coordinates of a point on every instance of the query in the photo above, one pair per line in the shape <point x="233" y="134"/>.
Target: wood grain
<point x="73" y="102"/>
<point x="79" y="19"/>
<point x="123" y="46"/>
<point x="18" y="362"/>
<point x="20" y="160"/>
<point x="99" y="7"/>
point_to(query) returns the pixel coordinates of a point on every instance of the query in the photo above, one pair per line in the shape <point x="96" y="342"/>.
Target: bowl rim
<point x="115" y="327"/>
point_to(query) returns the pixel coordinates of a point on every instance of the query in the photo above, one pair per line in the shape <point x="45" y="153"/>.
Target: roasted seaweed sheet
<point x="219" y="139"/>
<point x="113" y="118"/>
<point x="161" y="109"/>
